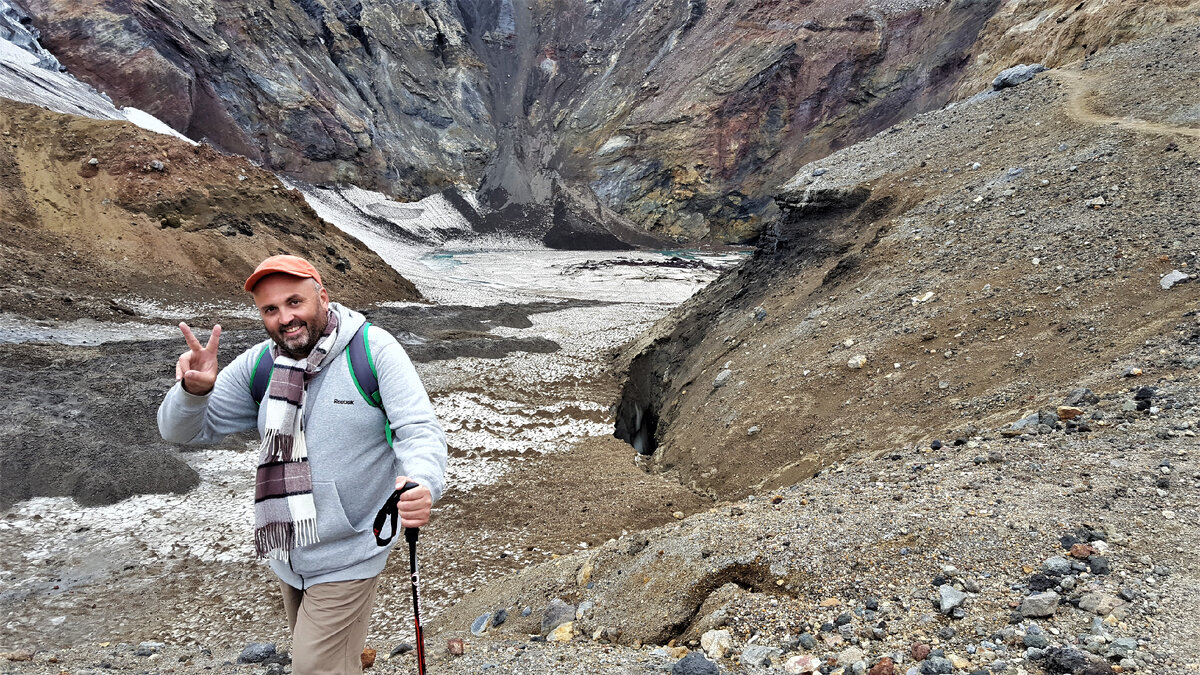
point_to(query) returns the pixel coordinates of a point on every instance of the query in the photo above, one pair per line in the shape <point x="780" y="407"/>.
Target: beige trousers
<point x="329" y="625"/>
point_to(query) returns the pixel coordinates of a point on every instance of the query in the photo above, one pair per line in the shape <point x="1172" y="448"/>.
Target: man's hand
<point x="197" y="367"/>
<point x="414" y="505"/>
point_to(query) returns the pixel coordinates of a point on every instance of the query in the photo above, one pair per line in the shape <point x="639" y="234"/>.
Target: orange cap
<point x="283" y="264"/>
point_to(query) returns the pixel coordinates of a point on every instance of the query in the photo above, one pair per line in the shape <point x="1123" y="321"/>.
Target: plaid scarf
<point x="284" y="513"/>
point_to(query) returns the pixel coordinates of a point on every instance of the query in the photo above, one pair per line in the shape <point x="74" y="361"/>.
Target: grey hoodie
<point x="353" y="469"/>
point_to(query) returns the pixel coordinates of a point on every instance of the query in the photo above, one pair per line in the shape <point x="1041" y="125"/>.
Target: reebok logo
<point x="342" y="401"/>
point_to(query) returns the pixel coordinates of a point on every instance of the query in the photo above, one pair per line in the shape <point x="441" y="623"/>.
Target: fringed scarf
<point x="284" y="513"/>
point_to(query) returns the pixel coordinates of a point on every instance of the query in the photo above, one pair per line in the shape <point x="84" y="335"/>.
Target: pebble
<point x="1174" y="277"/>
<point x="721" y="378"/>
<point x="400" y="650"/>
<point x="920" y="651"/>
<point x="557" y="614"/>
<point x="936" y="665"/>
<point x="499" y="617"/>
<point x="455" y="646"/>
<point x="1099" y="603"/>
<point x="367" y="658"/>
<point x="480" y="625"/>
<point x="716" y="643"/>
<point x="257" y="652"/>
<point x="759" y="655"/>
<point x="951" y="598"/>
<point x="857" y="362"/>
<point x="801" y="665"/>
<point x="885" y="666"/>
<point x="1039" y="605"/>
<point x="694" y="664"/>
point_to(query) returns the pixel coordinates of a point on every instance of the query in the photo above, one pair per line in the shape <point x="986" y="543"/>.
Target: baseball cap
<point x="283" y="264"/>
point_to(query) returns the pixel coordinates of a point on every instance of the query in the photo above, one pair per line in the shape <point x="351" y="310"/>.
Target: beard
<point x="300" y="345"/>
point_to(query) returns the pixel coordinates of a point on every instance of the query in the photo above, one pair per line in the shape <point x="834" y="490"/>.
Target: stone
<point x="557" y="614"/>
<point x="807" y="641"/>
<point x="936" y="665"/>
<point x="1121" y="648"/>
<point x="1067" y="412"/>
<point x="455" y="646"/>
<point x="367" y="657"/>
<point x="759" y="655"/>
<point x="802" y="665"/>
<point x="1039" y="605"/>
<point x="480" y="625"/>
<point x="857" y="362"/>
<point x="1058" y="566"/>
<point x="951" y="598"/>
<point x="1098" y="564"/>
<point x="716" y="643"/>
<point x="1019" y="74"/>
<point x="499" y="617"/>
<point x="920" y="651"/>
<point x="148" y="648"/>
<point x="400" y="650"/>
<point x="17" y="655"/>
<point x="694" y="664"/>
<point x="562" y="633"/>
<point x="885" y="666"/>
<point x="1174" y="277"/>
<point x="959" y="662"/>
<point x="850" y="656"/>
<point x="1099" y="603"/>
<point x="1036" y="637"/>
<point x="721" y="378"/>
<point x="1082" y="551"/>
<point x="1080" y="395"/>
<point x="257" y="652"/>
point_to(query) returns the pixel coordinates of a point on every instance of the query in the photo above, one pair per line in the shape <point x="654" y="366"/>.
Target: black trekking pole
<point x="390" y="508"/>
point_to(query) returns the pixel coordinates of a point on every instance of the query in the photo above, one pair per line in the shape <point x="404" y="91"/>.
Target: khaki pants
<point x="329" y="625"/>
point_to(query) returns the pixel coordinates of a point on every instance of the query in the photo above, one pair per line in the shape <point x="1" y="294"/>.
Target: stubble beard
<point x="302" y="345"/>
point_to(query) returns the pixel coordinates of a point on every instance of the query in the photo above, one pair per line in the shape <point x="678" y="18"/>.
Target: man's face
<point x="293" y="311"/>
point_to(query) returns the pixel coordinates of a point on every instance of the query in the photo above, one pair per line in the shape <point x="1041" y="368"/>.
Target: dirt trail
<point x="1082" y="87"/>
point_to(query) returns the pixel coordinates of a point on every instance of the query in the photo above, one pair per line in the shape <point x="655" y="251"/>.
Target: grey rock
<point x="1058" y="566"/>
<point x="157" y="165"/>
<point x="722" y="378"/>
<point x="480" y="625"/>
<point x="759" y="655"/>
<point x="556" y="615"/>
<point x="1011" y="77"/>
<point x="401" y="649"/>
<point x="499" y="617"/>
<point x="1036" y="637"/>
<point x="1121" y="648"/>
<point x="695" y="663"/>
<point x="1079" y="396"/>
<point x="950" y="598"/>
<point x="147" y="648"/>
<point x="807" y="641"/>
<point x="1039" y="605"/>
<point x="1099" y="603"/>
<point x="935" y="665"/>
<point x="1173" y="278"/>
<point x="257" y="652"/>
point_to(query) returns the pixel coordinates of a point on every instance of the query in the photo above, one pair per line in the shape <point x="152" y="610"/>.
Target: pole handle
<point x="390" y="509"/>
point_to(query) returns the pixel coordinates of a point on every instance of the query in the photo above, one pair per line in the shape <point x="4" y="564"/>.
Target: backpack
<point x="362" y="371"/>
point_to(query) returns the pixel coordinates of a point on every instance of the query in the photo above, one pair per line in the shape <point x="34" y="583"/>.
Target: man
<point x="325" y="464"/>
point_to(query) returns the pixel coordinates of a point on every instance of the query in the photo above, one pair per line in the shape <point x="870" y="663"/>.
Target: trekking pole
<point x="391" y="508"/>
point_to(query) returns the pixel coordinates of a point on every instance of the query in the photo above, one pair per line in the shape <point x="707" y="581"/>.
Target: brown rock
<point x="886" y="666"/>
<point x="368" y="657"/>
<point x="455" y="646"/>
<point x="18" y="655"/>
<point x="1082" y="551"/>
<point x="920" y="650"/>
<point x="1066" y="412"/>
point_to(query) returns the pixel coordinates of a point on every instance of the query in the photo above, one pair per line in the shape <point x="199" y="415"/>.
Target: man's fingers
<point x="192" y="342"/>
<point x="214" y="339"/>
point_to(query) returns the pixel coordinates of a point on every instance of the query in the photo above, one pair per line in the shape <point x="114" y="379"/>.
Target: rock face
<point x="380" y="94"/>
<point x="881" y="244"/>
<point x="584" y="123"/>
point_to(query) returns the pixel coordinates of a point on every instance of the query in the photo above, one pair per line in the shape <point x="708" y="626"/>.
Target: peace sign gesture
<point x="197" y="367"/>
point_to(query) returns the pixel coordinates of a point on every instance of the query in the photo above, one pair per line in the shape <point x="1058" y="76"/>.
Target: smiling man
<point x="339" y="433"/>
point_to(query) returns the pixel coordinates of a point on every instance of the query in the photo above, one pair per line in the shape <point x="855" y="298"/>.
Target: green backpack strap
<point x="260" y="377"/>
<point x="366" y="377"/>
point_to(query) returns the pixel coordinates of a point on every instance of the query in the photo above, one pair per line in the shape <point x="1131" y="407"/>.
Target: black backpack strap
<point x="362" y="367"/>
<point x="260" y="379"/>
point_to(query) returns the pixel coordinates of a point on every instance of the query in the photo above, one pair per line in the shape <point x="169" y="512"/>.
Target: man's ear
<point x="324" y="295"/>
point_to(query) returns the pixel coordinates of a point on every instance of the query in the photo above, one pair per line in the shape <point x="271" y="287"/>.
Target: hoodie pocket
<point x="334" y="534"/>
